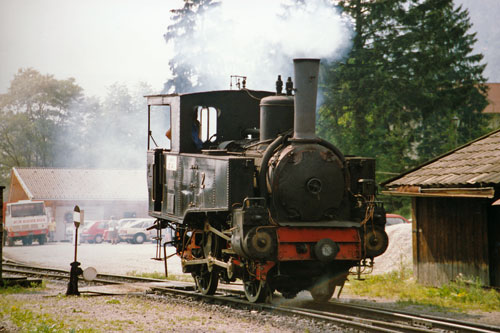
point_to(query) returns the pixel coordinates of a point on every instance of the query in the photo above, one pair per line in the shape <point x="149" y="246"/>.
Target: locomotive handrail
<point x="265" y="160"/>
<point x="247" y="200"/>
<point x="330" y="146"/>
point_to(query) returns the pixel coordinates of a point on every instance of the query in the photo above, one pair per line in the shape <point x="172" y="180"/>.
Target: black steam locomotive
<point x="253" y="194"/>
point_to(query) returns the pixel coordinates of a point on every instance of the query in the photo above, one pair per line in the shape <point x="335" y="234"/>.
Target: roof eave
<point x="449" y="192"/>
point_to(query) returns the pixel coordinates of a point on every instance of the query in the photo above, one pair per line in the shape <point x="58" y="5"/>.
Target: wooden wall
<point x="494" y="244"/>
<point x="16" y="191"/>
<point x="450" y="236"/>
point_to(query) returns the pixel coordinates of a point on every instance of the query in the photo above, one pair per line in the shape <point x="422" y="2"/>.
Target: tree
<point x="123" y="124"/>
<point x="409" y="73"/>
<point x="31" y="114"/>
<point x="108" y="134"/>
<point x="452" y="79"/>
<point x="78" y="136"/>
<point x="185" y="78"/>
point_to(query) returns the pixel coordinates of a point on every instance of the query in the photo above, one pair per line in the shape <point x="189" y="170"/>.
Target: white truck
<point x="25" y="220"/>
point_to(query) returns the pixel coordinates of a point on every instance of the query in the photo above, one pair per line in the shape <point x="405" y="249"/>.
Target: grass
<point x="161" y="276"/>
<point x="25" y="319"/>
<point x="16" y="289"/>
<point x="463" y="294"/>
<point x="29" y="321"/>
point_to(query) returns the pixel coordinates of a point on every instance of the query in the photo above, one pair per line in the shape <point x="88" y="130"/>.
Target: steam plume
<point x="259" y="39"/>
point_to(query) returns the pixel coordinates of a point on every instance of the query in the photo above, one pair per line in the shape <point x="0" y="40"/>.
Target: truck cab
<point x="26" y="220"/>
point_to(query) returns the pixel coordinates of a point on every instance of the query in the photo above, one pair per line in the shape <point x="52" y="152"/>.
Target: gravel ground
<point x="132" y="313"/>
<point x="399" y="252"/>
<point x="138" y="313"/>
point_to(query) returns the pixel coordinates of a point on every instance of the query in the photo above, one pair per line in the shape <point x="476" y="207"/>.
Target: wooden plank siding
<point x="450" y="237"/>
<point x="494" y="242"/>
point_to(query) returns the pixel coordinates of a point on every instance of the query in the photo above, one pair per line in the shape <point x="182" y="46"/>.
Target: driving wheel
<point x="324" y="288"/>
<point x="257" y="291"/>
<point x="323" y="291"/>
<point x="210" y="246"/>
<point x="206" y="281"/>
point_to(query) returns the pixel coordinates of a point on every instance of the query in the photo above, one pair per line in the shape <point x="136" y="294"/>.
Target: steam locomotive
<point x="253" y="194"/>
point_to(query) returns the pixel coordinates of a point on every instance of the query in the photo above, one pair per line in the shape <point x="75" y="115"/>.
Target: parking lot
<point x="121" y="258"/>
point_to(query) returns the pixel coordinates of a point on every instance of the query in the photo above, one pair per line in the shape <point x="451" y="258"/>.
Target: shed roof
<point x="82" y="184"/>
<point x="474" y="164"/>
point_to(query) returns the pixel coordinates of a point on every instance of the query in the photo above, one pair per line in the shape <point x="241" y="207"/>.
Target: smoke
<point x="259" y="39"/>
<point x="108" y="134"/>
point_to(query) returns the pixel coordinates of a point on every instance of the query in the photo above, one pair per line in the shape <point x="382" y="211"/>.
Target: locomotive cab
<point x="173" y="169"/>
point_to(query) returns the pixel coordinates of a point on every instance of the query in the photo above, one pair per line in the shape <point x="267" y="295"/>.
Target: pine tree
<point x="184" y="22"/>
<point x="452" y="81"/>
<point x="409" y="74"/>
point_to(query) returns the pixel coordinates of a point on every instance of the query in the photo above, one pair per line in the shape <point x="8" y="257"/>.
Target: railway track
<point x="352" y="316"/>
<point x="61" y="274"/>
<point x="358" y="317"/>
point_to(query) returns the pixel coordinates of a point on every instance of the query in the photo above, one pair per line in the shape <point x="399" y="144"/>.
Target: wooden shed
<point x="101" y="193"/>
<point x="456" y="213"/>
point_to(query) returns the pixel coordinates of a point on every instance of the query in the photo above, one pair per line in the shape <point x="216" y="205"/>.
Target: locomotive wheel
<point x="323" y="291"/>
<point x="210" y="246"/>
<point x="257" y="291"/>
<point x="206" y="281"/>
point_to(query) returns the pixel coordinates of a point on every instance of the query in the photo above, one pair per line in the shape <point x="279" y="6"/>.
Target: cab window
<point x="159" y="127"/>
<point x="207" y="118"/>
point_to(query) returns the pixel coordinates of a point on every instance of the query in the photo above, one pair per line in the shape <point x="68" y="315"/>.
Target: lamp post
<point x="75" y="265"/>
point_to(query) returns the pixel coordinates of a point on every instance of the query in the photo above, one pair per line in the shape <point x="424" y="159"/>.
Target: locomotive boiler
<point x="253" y="194"/>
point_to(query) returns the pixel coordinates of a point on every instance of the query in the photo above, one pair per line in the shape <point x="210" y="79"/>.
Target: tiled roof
<point x="83" y="184"/>
<point x="475" y="163"/>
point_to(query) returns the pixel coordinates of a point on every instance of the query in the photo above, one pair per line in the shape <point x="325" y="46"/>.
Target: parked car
<point x="94" y="233"/>
<point x="69" y="233"/>
<point x="393" y="219"/>
<point x="121" y="224"/>
<point x="167" y="235"/>
<point x="135" y="232"/>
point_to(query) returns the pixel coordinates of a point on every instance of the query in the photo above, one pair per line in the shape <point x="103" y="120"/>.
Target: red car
<point x="94" y="232"/>
<point x="395" y="219"/>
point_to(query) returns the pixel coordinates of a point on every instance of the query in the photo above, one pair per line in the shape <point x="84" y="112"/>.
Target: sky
<point x="98" y="42"/>
<point x="101" y="42"/>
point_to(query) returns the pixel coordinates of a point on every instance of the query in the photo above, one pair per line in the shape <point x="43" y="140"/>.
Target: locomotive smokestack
<point x="306" y="84"/>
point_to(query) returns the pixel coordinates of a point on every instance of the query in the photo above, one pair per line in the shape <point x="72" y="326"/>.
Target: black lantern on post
<point x="75" y="265"/>
<point x="77" y="219"/>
